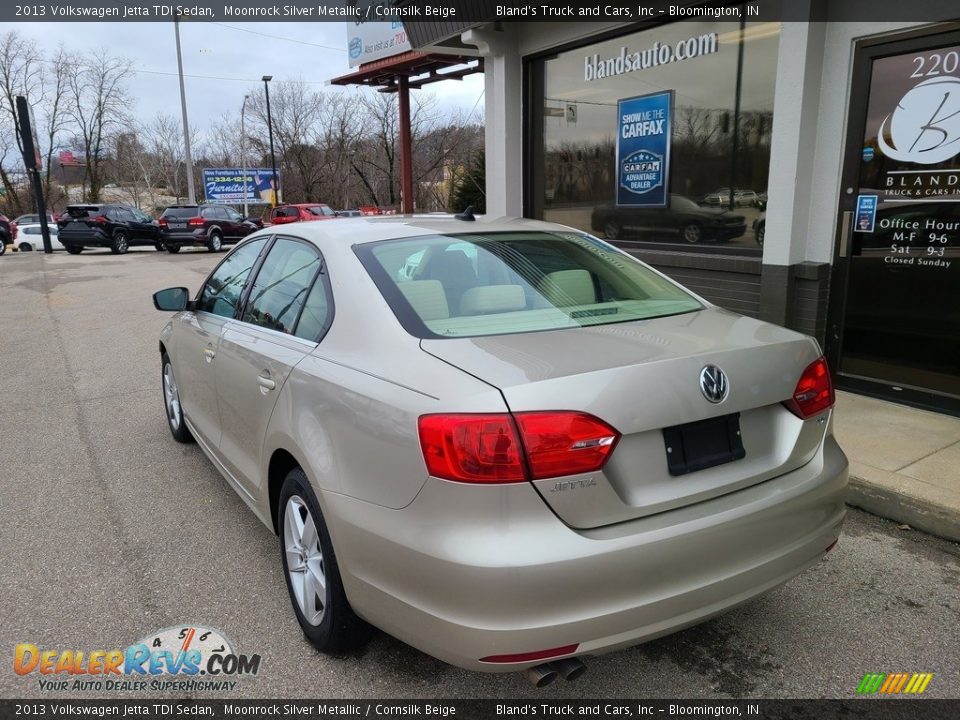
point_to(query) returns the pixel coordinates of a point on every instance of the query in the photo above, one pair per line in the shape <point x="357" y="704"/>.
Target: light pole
<point x="243" y="158"/>
<point x="191" y="192"/>
<point x="273" y="158"/>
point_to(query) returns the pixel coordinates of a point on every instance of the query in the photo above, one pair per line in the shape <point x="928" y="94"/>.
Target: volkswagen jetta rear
<point x="655" y="460"/>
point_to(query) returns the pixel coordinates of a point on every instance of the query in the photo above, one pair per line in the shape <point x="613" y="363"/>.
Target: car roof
<point x="367" y="229"/>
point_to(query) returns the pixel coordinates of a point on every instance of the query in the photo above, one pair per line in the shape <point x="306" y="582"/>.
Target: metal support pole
<point x="273" y="158"/>
<point x="406" y="159"/>
<point x="243" y="158"/>
<point x="191" y="191"/>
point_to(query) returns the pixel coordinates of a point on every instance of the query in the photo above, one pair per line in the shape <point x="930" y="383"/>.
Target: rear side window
<point x="221" y="293"/>
<point x="281" y="286"/>
<point x="317" y="310"/>
<point x="468" y="285"/>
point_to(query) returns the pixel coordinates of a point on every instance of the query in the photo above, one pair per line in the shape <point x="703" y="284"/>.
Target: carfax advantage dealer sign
<point x="643" y="150"/>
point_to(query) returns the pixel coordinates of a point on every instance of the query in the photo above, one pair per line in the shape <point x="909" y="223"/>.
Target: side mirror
<point x="172" y="299"/>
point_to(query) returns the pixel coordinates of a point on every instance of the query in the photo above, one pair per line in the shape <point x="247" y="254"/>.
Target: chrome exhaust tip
<point x="541" y="675"/>
<point x="569" y="668"/>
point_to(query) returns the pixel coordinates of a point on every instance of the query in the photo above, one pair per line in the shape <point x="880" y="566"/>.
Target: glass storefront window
<point x="718" y="156"/>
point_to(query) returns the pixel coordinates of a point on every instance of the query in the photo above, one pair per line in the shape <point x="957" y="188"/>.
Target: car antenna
<point x="466" y="215"/>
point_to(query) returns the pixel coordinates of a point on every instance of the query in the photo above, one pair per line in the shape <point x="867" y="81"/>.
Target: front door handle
<point x="209" y="353"/>
<point x="265" y="383"/>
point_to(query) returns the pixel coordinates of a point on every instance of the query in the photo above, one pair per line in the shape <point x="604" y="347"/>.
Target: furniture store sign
<point x="643" y="149"/>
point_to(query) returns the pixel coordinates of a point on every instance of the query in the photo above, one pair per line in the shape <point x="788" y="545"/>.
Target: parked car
<point x="348" y="213"/>
<point x="550" y="452"/>
<point x="33" y="219"/>
<point x="8" y="233"/>
<point x="212" y="226"/>
<point x="301" y="212"/>
<point x="31" y="238"/>
<point x="110" y="225"/>
<point x="682" y="220"/>
<point x="721" y="198"/>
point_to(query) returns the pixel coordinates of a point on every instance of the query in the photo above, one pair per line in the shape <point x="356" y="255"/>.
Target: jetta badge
<point x="713" y="384"/>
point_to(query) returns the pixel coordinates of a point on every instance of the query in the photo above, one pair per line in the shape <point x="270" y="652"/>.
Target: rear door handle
<point x="209" y="353"/>
<point x="265" y="383"/>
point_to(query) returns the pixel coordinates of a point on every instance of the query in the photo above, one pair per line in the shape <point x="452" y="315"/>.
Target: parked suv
<point x="209" y="225"/>
<point x="301" y="212"/>
<point x="117" y="227"/>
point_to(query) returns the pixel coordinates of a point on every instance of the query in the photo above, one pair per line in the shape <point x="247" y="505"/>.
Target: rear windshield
<point x="491" y="284"/>
<point x="181" y="212"/>
<point x="80" y="211"/>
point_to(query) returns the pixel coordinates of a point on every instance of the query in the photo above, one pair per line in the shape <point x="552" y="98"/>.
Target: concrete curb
<point x="916" y="504"/>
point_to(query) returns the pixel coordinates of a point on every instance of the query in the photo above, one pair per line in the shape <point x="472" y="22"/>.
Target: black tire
<point x="761" y="231"/>
<point x="692" y="233"/>
<point x="158" y="246"/>
<point x="121" y="243"/>
<point x="338" y="628"/>
<point x="215" y="242"/>
<point x="25" y="247"/>
<point x="74" y="249"/>
<point x="3" y="246"/>
<point x="612" y="229"/>
<point x="173" y="248"/>
<point x="178" y="427"/>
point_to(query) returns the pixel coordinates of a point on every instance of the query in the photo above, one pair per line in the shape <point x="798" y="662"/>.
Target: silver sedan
<point x="506" y="443"/>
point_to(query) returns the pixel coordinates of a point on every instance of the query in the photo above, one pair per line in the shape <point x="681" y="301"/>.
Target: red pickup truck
<point x="300" y="212"/>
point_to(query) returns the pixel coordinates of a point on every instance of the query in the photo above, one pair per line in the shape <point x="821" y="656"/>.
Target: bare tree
<point x="55" y="120"/>
<point x="21" y="73"/>
<point x="98" y="102"/>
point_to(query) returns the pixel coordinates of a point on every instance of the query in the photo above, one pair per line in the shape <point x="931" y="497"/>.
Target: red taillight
<point x="195" y="222"/>
<point x="814" y="391"/>
<point x="162" y="222"/>
<point x="487" y="448"/>
<point x="565" y="443"/>
<point x="472" y="448"/>
<point x="528" y="656"/>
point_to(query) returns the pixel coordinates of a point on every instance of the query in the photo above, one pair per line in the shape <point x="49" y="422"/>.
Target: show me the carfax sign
<point x="643" y="150"/>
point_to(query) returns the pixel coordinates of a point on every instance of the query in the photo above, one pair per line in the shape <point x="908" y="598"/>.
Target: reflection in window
<point x="281" y="286"/>
<point x="222" y="292"/>
<point x="720" y="145"/>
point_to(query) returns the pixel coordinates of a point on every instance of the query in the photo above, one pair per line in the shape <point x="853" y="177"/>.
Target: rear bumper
<point x="84" y="239"/>
<point x="466" y="572"/>
<point x="194" y="237"/>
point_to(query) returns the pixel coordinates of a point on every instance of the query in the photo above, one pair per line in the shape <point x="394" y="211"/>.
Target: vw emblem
<point x="713" y="384"/>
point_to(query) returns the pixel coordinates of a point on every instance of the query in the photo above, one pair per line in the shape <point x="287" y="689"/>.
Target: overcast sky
<point x="237" y="53"/>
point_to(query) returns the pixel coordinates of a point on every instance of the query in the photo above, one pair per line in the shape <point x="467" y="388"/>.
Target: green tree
<point x="469" y="186"/>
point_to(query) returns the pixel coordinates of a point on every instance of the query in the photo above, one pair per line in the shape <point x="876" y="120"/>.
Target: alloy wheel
<point x="171" y="397"/>
<point x="304" y="556"/>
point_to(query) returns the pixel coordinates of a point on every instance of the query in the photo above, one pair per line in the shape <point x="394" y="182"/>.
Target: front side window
<point x="222" y="291"/>
<point x="233" y="214"/>
<point x="514" y="282"/>
<point x="281" y="286"/>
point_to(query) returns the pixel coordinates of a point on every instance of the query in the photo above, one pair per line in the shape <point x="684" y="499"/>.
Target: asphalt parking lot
<point x="109" y="531"/>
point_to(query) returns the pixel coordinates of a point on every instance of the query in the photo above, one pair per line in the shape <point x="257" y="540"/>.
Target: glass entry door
<point x="895" y="300"/>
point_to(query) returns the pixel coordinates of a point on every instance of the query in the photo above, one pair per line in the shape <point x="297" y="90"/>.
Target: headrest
<point x="568" y="287"/>
<point x="427" y="298"/>
<point x="493" y="299"/>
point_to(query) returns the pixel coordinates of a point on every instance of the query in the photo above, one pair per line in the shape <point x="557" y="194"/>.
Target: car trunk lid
<point x="642" y="377"/>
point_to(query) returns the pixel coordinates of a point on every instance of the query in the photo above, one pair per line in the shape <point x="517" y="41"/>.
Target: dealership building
<point x="797" y="162"/>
